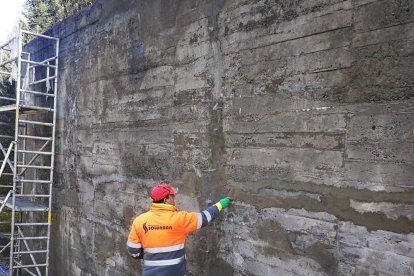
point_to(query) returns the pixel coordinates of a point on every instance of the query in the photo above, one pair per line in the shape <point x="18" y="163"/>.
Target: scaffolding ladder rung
<point x="33" y="195"/>
<point x="35" y="167"/>
<point x="35" y="137"/>
<point x="36" y="107"/>
<point x="35" y="181"/>
<point x="27" y="266"/>
<point x="32" y="238"/>
<point x="32" y="224"/>
<point x="23" y="204"/>
<point x="35" y="152"/>
<point x="35" y="123"/>
<point x="5" y="73"/>
<point x="38" y="63"/>
<point x="37" y="93"/>
<point x="7" y="98"/>
<point x="6" y="234"/>
<point x="8" y="61"/>
<point x="7" y="136"/>
<point x="40" y="35"/>
<point x="43" y="80"/>
<point x="30" y="252"/>
<point x="4" y="45"/>
<point x="43" y="62"/>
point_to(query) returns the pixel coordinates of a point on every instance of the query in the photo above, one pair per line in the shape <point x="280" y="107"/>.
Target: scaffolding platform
<point x="25" y="110"/>
<point x="24" y="205"/>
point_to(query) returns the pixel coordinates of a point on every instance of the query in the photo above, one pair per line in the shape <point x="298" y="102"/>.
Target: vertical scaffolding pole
<point x="49" y="216"/>
<point x="16" y="135"/>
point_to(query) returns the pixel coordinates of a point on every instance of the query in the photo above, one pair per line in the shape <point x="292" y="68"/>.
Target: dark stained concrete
<point x="302" y="111"/>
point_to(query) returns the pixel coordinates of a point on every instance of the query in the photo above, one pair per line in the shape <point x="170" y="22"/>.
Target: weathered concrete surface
<point x="302" y="111"/>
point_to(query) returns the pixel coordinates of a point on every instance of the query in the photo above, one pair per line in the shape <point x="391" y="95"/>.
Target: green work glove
<point x="225" y="202"/>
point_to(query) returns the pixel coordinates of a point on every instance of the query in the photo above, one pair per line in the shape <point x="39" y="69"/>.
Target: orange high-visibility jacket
<point x="160" y="234"/>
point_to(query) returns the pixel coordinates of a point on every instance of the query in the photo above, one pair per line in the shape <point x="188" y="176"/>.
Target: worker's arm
<point x="193" y="221"/>
<point x="208" y="215"/>
<point x="133" y="244"/>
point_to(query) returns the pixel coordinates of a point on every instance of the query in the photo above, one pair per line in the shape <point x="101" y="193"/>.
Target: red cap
<point x="162" y="190"/>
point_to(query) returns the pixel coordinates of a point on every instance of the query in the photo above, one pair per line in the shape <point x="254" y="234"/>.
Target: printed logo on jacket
<point x="156" y="227"/>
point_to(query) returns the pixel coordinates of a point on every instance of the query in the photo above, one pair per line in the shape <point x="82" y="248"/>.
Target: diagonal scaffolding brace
<point x="6" y="158"/>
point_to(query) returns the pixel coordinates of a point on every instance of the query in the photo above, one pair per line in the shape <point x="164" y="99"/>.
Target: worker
<point x="158" y="236"/>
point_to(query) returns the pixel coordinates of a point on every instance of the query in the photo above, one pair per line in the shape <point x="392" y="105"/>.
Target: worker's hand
<point x="225" y="202"/>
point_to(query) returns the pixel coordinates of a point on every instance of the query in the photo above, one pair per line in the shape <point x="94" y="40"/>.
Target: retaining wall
<point x="302" y="111"/>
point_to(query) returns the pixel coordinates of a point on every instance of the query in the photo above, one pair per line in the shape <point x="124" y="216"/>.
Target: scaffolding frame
<point x="26" y="202"/>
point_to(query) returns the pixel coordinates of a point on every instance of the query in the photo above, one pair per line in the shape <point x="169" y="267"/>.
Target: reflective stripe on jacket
<point x="161" y="233"/>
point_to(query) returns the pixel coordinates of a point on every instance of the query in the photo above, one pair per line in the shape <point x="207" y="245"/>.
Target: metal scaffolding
<point x="28" y="82"/>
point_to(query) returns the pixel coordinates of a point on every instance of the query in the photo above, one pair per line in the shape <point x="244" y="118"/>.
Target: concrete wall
<point x="302" y="111"/>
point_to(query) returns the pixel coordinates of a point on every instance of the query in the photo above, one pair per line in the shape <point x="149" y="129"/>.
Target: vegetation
<point x="42" y="14"/>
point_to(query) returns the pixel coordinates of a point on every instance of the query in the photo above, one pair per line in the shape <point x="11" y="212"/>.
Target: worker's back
<point x="161" y="233"/>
